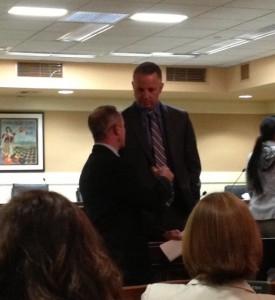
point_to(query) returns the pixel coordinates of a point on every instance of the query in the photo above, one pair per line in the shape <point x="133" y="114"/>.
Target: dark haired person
<point x="179" y="148"/>
<point x="49" y="250"/>
<point x="261" y="178"/>
<point x="114" y="199"/>
<point x="222" y="249"/>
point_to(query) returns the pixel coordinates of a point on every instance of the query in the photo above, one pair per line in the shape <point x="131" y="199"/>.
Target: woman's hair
<point x="221" y="241"/>
<point x="49" y="250"/>
<point x="267" y="133"/>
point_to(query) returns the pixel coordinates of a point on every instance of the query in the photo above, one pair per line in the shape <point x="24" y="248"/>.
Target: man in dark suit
<point x="114" y="199"/>
<point x="179" y="145"/>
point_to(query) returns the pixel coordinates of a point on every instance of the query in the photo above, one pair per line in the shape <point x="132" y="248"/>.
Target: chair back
<point x="268" y="261"/>
<point x="133" y="292"/>
<point x="17" y="188"/>
<point x="238" y="189"/>
<point x="78" y="196"/>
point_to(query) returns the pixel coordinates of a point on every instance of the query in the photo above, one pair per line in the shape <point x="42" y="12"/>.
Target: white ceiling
<point x="209" y="22"/>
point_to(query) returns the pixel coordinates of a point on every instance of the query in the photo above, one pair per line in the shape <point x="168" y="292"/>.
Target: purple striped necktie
<point x="158" y="147"/>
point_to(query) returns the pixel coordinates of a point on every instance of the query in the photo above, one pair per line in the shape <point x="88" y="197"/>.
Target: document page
<point x="172" y="249"/>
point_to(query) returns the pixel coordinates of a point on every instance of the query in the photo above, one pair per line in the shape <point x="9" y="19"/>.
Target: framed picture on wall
<point x="22" y="142"/>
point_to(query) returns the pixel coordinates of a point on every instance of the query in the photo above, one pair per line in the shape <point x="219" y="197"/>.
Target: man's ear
<point x="116" y="128"/>
<point x="161" y="86"/>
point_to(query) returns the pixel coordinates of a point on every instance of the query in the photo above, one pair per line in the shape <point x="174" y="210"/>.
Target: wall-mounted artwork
<point x="22" y="142"/>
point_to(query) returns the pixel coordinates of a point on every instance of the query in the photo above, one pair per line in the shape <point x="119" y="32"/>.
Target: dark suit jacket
<point x="183" y="157"/>
<point x="114" y="200"/>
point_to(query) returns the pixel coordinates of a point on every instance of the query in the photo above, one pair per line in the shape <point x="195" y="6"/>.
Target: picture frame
<point x="22" y="142"/>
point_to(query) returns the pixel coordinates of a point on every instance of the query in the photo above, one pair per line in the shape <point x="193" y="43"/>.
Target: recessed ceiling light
<point x="245" y="96"/>
<point x="65" y="92"/>
<point x="37" y="11"/>
<point x="158" y="18"/>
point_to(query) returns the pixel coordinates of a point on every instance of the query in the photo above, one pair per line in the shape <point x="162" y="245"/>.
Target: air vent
<point x="39" y="69"/>
<point x="244" y="71"/>
<point x="186" y="74"/>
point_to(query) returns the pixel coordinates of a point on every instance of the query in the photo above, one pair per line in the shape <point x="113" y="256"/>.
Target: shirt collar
<point x="115" y="151"/>
<point x="145" y="111"/>
<point x="238" y="285"/>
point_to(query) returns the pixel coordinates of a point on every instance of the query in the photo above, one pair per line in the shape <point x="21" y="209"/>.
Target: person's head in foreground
<point x="221" y="241"/>
<point x="49" y="251"/>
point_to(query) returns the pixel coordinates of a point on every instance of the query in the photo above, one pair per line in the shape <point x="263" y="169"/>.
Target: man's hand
<point x="174" y="234"/>
<point x="163" y="171"/>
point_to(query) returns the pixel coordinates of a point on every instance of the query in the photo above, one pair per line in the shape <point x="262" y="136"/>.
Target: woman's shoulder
<point x="162" y="291"/>
<point x="197" y="290"/>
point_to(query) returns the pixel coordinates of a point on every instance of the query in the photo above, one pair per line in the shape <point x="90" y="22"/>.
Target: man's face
<point x="147" y="88"/>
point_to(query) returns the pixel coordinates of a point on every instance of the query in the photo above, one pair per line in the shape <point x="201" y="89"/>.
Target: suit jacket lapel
<point x="169" y="127"/>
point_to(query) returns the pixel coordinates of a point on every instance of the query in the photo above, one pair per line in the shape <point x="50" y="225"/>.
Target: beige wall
<point x="224" y="140"/>
<point x="226" y="128"/>
<point x="67" y="141"/>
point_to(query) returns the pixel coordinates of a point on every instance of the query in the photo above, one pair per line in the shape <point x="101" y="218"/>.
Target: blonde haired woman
<point x="222" y="248"/>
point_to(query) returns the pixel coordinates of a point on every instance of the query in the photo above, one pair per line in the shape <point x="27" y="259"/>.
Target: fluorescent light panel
<point x="73" y="55"/>
<point x="37" y="11"/>
<point x="65" y="92"/>
<point x="95" y="17"/>
<point x="153" y="54"/>
<point x="85" y="32"/>
<point x="158" y="18"/>
<point x="130" y="54"/>
<point x="173" y="55"/>
<point x="237" y="41"/>
<point x="49" y="54"/>
<point x="259" y="34"/>
<point x="15" y="53"/>
<point x="245" y="96"/>
<point x="232" y="45"/>
<point x="220" y="46"/>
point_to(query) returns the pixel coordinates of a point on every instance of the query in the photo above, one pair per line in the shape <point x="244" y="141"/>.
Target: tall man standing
<point x="114" y="198"/>
<point x="168" y="140"/>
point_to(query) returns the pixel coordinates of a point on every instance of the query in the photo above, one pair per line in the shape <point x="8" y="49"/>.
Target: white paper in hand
<point x="172" y="249"/>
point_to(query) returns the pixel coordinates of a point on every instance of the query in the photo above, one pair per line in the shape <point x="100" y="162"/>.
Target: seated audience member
<point x="222" y="248"/>
<point x="114" y="199"/>
<point x="50" y="251"/>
